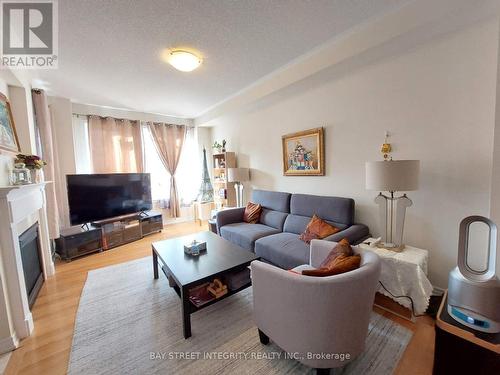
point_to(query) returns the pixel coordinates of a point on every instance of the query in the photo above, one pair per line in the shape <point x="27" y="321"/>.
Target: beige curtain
<point x="44" y="124"/>
<point x="115" y="145"/>
<point x="169" y="140"/>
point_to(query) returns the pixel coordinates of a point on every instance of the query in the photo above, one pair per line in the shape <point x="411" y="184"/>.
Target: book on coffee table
<point x="200" y="295"/>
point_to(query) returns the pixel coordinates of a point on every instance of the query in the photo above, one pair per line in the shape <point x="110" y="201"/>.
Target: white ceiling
<point x="109" y="50"/>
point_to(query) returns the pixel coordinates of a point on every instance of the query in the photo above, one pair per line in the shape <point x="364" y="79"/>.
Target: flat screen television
<point x="94" y="197"/>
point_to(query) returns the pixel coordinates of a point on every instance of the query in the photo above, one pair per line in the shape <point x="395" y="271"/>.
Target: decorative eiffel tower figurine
<point x="206" y="193"/>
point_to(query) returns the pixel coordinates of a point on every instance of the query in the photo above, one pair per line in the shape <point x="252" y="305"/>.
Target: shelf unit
<point x="224" y="193"/>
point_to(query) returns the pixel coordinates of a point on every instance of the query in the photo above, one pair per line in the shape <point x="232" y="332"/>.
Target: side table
<point x="404" y="274"/>
<point x="202" y="211"/>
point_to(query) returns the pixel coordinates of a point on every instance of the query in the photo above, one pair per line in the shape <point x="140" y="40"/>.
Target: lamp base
<point x="392" y="216"/>
<point x="390" y="246"/>
<point x="238" y="186"/>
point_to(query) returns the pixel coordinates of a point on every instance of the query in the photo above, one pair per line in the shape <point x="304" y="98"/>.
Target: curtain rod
<point x="127" y="119"/>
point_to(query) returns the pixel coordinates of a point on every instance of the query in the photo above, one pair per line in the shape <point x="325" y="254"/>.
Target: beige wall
<point x="437" y="100"/>
<point x="22" y="111"/>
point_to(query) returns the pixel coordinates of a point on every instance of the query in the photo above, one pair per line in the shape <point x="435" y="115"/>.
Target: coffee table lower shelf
<point x="195" y="308"/>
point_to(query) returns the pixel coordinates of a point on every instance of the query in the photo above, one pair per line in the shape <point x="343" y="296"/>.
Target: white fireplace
<point x="20" y="208"/>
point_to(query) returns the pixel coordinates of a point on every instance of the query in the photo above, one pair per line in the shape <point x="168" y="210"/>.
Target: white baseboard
<point x="8" y="344"/>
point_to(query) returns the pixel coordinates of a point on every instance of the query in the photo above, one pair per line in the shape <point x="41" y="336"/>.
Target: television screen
<point x="94" y="197"/>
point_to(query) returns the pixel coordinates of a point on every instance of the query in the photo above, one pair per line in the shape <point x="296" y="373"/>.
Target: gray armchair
<point x="316" y="315"/>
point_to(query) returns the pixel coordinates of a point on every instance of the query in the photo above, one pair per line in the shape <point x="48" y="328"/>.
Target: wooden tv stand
<point x="120" y="230"/>
<point x="107" y="234"/>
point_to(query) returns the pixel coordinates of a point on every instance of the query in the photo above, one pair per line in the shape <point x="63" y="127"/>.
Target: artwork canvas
<point x="303" y="153"/>
<point x="8" y="136"/>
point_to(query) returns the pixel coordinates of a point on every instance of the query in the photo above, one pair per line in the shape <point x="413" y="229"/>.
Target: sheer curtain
<point x="189" y="169"/>
<point x="115" y="145"/>
<point x="160" y="178"/>
<point x="169" y="141"/>
<point x="80" y="125"/>
<point x="44" y="124"/>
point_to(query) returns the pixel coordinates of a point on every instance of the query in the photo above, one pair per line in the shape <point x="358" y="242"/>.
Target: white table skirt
<point x="405" y="274"/>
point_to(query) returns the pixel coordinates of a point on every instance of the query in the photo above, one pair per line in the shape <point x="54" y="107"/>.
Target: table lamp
<point x="238" y="175"/>
<point x="392" y="176"/>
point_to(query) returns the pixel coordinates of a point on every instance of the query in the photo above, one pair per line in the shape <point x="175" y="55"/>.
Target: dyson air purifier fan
<point x="474" y="295"/>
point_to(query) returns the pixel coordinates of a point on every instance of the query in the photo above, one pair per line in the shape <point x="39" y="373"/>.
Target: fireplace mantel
<point x="20" y="207"/>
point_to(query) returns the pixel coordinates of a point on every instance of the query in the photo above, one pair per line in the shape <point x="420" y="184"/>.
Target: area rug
<point x="129" y="323"/>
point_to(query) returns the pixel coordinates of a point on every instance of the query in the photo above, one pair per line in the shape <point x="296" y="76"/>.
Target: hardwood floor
<point x="47" y="350"/>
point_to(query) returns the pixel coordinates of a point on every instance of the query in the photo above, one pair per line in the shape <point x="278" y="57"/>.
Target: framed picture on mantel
<point x="304" y="153"/>
<point x="8" y="135"/>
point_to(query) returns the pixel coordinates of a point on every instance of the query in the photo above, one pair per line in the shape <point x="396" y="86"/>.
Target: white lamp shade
<point x="392" y="175"/>
<point x="238" y="174"/>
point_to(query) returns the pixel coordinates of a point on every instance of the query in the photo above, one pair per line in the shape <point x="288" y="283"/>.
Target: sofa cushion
<point x="244" y="234"/>
<point x="332" y="209"/>
<point x="298" y="224"/>
<point x="272" y="200"/>
<point x="284" y="250"/>
<point x="273" y="219"/>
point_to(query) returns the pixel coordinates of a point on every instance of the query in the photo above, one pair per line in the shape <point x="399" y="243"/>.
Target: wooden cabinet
<point x="463" y="350"/>
<point x="75" y="241"/>
<point x="119" y="231"/>
<point x="152" y="223"/>
<point x="107" y="234"/>
<point x="224" y="193"/>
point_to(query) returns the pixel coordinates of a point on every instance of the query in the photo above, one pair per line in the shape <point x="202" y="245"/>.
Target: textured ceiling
<point x="109" y="50"/>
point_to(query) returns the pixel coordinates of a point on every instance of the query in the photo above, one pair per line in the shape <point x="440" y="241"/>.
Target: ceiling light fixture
<point x="183" y="60"/>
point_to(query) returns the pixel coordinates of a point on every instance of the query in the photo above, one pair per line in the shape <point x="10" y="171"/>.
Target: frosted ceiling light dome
<point x="183" y="60"/>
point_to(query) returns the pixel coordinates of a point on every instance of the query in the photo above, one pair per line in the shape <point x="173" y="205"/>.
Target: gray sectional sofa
<point x="284" y="217"/>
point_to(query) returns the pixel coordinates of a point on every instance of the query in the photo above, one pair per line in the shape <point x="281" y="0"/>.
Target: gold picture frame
<point x="304" y="153"/>
<point x="8" y="135"/>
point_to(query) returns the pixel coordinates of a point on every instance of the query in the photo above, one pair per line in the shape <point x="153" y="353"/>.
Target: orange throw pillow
<point x="339" y="260"/>
<point x="317" y="228"/>
<point x="343" y="263"/>
<point x="341" y="248"/>
<point x="252" y="213"/>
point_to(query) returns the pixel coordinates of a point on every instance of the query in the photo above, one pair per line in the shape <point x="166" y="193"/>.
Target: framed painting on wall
<point x="8" y="135"/>
<point x="303" y="153"/>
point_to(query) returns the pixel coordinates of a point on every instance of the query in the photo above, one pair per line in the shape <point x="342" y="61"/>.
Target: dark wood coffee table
<point x="188" y="271"/>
